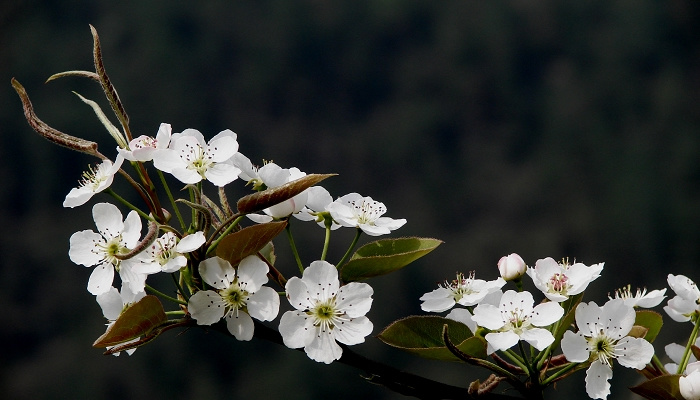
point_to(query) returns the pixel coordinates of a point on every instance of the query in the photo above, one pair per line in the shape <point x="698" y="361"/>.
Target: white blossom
<point x="467" y="291"/>
<point x="325" y="313"/>
<point x="353" y="210"/>
<point x="238" y="295"/>
<point x="94" y="181"/>
<point x="511" y="267"/>
<point x="144" y="147"/>
<point x="167" y="252"/>
<point x="113" y="302"/>
<point x="191" y="159"/>
<point x="685" y="304"/>
<point x="100" y="249"/>
<point x="641" y="298"/>
<point x="689" y="385"/>
<point x="516" y="319"/>
<point x="602" y="336"/>
<point x="558" y="281"/>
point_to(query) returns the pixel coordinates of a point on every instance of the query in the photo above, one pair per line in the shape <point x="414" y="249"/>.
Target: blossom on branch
<point x="325" y="313"/>
<point x="685" y="304"/>
<point x="465" y="291"/>
<point x="190" y="159"/>
<point x="167" y="252"/>
<point x="558" y="281"/>
<point x="113" y="302"/>
<point x="516" y="319"/>
<point x="115" y="237"/>
<point x="239" y="295"/>
<point x="144" y="147"/>
<point x="94" y="181"/>
<point x="353" y="210"/>
<point x="602" y="337"/>
<point x="641" y="298"/>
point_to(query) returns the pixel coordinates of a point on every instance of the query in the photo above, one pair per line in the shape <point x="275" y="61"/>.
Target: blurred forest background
<point x="546" y="128"/>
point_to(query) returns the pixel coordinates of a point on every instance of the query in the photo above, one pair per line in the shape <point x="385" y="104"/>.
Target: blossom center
<point x="110" y="249"/>
<point x="603" y="348"/>
<point x="196" y="158"/>
<point x="516" y="319"/>
<point x="367" y="212"/>
<point x="559" y="283"/>
<point x="461" y="286"/>
<point x="93" y="177"/>
<point x="235" y="297"/>
<point x="326" y="315"/>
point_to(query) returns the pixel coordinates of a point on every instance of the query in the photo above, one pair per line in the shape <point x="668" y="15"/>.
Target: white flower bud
<point x="511" y="267"/>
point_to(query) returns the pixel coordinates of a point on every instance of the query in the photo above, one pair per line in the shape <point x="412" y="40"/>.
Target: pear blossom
<point x="353" y="210"/>
<point x="325" y="313"/>
<point x="685" y="304"/>
<point x="167" y="252"/>
<point x="94" y="181"/>
<point x="100" y="249"/>
<point x="602" y="337"/>
<point x="511" y="267"/>
<point x="464" y="316"/>
<point x="558" y="281"/>
<point x="190" y="159"/>
<point x="641" y="298"/>
<point x="675" y="352"/>
<point x="689" y="385"/>
<point x="144" y="147"/>
<point x="113" y="303"/>
<point x="467" y="291"/>
<point x="239" y="295"/>
<point x="316" y="207"/>
<point x="516" y="319"/>
<point x="269" y="176"/>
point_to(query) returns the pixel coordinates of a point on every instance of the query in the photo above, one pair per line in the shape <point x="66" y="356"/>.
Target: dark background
<point x="547" y="128"/>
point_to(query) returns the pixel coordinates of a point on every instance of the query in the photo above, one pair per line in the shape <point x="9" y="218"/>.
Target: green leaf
<point x="650" y="320"/>
<point x="664" y="387"/>
<point x="269" y="197"/>
<point x="239" y="245"/>
<point x="422" y="335"/>
<point x="385" y="256"/>
<point x="135" y="321"/>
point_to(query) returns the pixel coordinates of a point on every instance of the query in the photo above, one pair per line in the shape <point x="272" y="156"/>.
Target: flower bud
<point x="511" y="267"/>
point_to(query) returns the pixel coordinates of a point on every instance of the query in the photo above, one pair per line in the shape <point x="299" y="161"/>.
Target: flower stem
<point x="126" y="203"/>
<point x="554" y="377"/>
<point x="326" y="241"/>
<point x="172" y="199"/>
<point x="288" y="228"/>
<point x="691" y="342"/>
<point x="352" y="246"/>
<point x="165" y="296"/>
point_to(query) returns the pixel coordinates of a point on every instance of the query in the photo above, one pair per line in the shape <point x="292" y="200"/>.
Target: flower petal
<point x="321" y="279"/>
<point x="634" y="352"/>
<point x="264" y="305"/>
<point x="539" y="338"/>
<point x="217" y="272"/>
<point x="597" y="376"/>
<point x="575" y="347"/>
<point x="240" y="325"/>
<point x="297" y="329"/>
<point x="252" y="273"/>
<point x="82" y="248"/>
<point x="355" y="299"/>
<point x="207" y="307"/>
<point x="353" y="331"/>
<point x="323" y="348"/>
<point x="191" y="242"/>
<point x="101" y="279"/>
<point x="502" y="340"/>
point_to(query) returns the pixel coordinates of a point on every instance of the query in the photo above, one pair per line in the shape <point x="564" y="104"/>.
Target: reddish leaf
<point x="239" y="245"/>
<point x="136" y="321"/>
<point x="269" y="197"/>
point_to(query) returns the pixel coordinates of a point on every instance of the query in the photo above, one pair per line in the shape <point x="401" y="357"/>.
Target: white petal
<point x="374" y="230"/>
<point x="464" y="316"/>
<point x="82" y="248"/>
<point x="101" y="279"/>
<point x="111" y="303"/>
<point x="634" y="352"/>
<point x="240" y="325"/>
<point x="191" y="242"/>
<point x="222" y="146"/>
<point x="298" y="294"/>
<point x="587" y="314"/>
<point x="438" y="300"/>
<point x="78" y="196"/>
<point x="252" y="273"/>
<point x="217" y="272"/>
<point x="264" y="305"/>
<point x="512" y="300"/>
<point x="353" y="331"/>
<point x="546" y="314"/>
<point x="597" y="376"/>
<point x="318" y="198"/>
<point x="174" y="264"/>
<point x="675" y="352"/>
<point x="186" y="175"/>
<point x="355" y="299"/>
<point x="618" y="318"/>
<point x="321" y="279"/>
<point x="689" y="386"/>
<point x="132" y="229"/>
<point x="207" y="307"/>
<point x="108" y="219"/>
<point x="323" y="348"/>
<point x="488" y="316"/>
<point x="502" y="340"/>
<point x="390" y="223"/>
<point x="259" y="218"/>
<point x="539" y="338"/>
<point x="297" y="329"/>
<point x="163" y="136"/>
<point x="221" y="174"/>
<point x="167" y="160"/>
<point x="575" y="347"/>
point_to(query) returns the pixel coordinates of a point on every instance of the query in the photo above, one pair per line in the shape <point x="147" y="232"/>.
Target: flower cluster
<point x="325" y="312"/>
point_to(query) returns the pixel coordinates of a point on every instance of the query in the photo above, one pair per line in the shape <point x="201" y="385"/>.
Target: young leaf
<point x="650" y="320"/>
<point x="385" y="256"/>
<point x="269" y="197"/>
<point x="239" y="245"/>
<point x="422" y="335"/>
<point x="664" y="387"/>
<point x="137" y="320"/>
